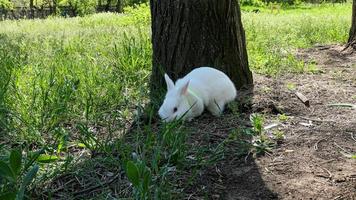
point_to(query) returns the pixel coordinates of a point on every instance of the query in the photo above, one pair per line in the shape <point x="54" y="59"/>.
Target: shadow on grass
<point x="229" y="172"/>
<point x="219" y="164"/>
<point x="211" y="163"/>
<point x="99" y="177"/>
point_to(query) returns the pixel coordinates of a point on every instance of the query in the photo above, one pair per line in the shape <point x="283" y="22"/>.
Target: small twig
<point x="279" y="163"/>
<point x="303" y="98"/>
<point x="78" y="180"/>
<point x="338" y="197"/>
<point x="352" y="136"/>
<point x="217" y="135"/>
<point x="268" y="154"/>
<point x="348" y="105"/>
<point x="225" y="129"/>
<point x="316" y="144"/>
<point x="96" y="186"/>
<point x="341" y="148"/>
<point x="309" y="124"/>
<point x="269" y="171"/>
<point x="271" y="126"/>
<point x="315" y="120"/>
<point x="330" y="174"/>
<point x="327" y="161"/>
<point x="190" y="196"/>
<point x="276" y="163"/>
<point x="321" y="47"/>
<point x="62" y="186"/>
<point x="249" y="152"/>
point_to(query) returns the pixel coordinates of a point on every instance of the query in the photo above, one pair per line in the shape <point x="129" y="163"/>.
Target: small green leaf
<point x="146" y="179"/>
<point x="59" y="147"/>
<point x="81" y="145"/>
<point x="15" y="161"/>
<point x="6" y="172"/>
<point x="45" y="158"/>
<point x="32" y="157"/>
<point x="26" y="181"/>
<point x="132" y="173"/>
<point x="353" y="156"/>
<point x="63" y="139"/>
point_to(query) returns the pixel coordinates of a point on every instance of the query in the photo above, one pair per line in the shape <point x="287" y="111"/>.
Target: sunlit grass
<point x="272" y="39"/>
<point x="80" y="82"/>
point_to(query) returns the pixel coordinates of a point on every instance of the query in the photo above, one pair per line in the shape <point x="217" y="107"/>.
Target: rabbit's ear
<point x="184" y="89"/>
<point x="169" y="82"/>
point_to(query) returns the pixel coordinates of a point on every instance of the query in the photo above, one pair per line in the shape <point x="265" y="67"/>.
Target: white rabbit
<point x="202" y="87"/>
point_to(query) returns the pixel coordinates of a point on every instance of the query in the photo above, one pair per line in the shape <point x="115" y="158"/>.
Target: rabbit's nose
<point x="161" y="114"/>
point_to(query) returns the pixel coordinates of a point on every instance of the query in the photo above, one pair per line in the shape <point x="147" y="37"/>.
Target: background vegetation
<point x="70" y="88"/>
<point x="60" y="7"/>
<point x="84" y="7"/>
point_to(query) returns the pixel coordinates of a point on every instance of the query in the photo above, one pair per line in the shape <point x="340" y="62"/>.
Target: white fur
<point x="202" y="87"/>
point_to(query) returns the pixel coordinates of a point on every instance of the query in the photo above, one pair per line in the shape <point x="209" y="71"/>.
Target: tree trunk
<point x="187" y="34"/>
<point x="54" y="7"/>
<point x="352" y="35"/>
<point x="119" y="6"/>
<point x="107" y="7"/>
<point x="73" y="9"/>
<point x="32" y="12"/>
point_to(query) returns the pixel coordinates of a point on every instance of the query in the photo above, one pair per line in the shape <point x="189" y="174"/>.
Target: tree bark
<point x="108" y="4"/>
<point x="32" y="12"/>
<point x="187" y="34"/>
<point x="54" y="2"/>
<point x="119" y="6"/>
<point x="352" y="35"/>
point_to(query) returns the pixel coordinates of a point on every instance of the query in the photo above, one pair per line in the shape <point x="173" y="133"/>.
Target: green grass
<point x="272" y="39"/>
<point x="76" y="85"/>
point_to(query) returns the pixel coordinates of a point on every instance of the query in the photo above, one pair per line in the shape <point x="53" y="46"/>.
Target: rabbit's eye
<point x="175" y="109"/>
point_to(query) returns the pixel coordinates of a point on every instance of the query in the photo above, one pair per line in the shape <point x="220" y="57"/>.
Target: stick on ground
<point x="303" y="99"/>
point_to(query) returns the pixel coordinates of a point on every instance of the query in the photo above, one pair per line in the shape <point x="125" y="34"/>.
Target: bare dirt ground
<point x="313" y="162"/>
